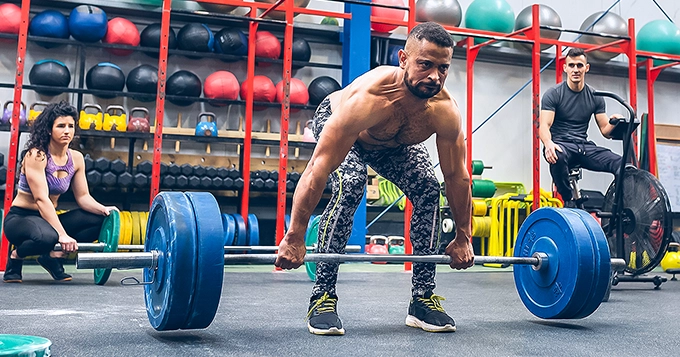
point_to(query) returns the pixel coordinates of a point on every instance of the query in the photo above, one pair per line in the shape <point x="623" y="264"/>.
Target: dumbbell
<point x="290" y="186"/>
<point x="294" y="176"/>
<point x="217" y="183"/>
<point x="102" y="164"/>
<point x="227" y="183"/>
<point x="211" y="171"/>
<point x="94" y="178"/>
<point x="174" y="169"/>
<point x="223" y="172"/>
<point x="141" y="180"/>
<point x="206" y="182"/>
<point x="238" y="183"/>
<point x="117" y="166"/>
<point x="125" y="179"/>
<point x="182" y="181"/>
<point x="256" y="183"/>
<point x="194" y="182"/>
<point x="3" y="175"/>
<point x="164" y="168"/>
<point x="187" y="170"/>
<point x="260" y="174"/>
<point x="234" y="173"/>
<point x="199" y="170"/>
<point x="109" y="179"/>
<point x="168" y="181"/>
<point x="89" y="163"/>
<point x="145" y="167"/>
<point x="269" y="184"/>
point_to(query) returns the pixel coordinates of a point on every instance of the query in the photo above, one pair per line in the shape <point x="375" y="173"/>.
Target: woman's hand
<point x="68" y="244"/>
<point x="108" y="209"/>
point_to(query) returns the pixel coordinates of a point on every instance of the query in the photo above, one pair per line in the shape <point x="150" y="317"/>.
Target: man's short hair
<point x="432" y="32"/>
<point x="577" y="52"/>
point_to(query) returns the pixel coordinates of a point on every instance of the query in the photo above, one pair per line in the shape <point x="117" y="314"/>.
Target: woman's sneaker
<point x="426" y="312"/>
<point x="54" y="267"/>
<point x="13" y="271"/>
<point x="322" y="318"/>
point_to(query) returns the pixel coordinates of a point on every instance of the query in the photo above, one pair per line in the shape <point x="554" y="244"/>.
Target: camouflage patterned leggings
<point x="410" y="169"/>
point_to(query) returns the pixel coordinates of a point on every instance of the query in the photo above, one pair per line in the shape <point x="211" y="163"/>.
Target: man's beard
<point x="420" y="93"/>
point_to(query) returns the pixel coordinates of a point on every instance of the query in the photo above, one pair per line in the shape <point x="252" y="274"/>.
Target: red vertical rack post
<point x="160" y="100"/>
<point x="631" y="52"/>
<point x="14" y="130"/>
<point x="472" y="52"/>
<point x="536" y="101"/>
<point x="652" y="75"/>
<point x="408" y="209"/>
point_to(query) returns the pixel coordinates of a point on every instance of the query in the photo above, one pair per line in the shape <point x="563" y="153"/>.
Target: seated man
<point x="565" y="115"/>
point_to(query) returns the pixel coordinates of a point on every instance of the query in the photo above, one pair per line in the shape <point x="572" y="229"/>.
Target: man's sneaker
<point x="13" y="271"/>
<point x="54" y="267"/>
<point x="322" y="318"/>
<point x="427" y="313"/>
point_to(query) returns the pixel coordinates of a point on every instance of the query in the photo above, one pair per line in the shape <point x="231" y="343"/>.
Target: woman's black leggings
<point x="32" y="235"/>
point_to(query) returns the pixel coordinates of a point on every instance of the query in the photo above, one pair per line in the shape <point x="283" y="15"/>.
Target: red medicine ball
<point x="298" y="93"/>
<point x="10" y="18"/>
<point x="221" y="85"/>
<point x="266" y="45"/>
<point x="121" y="31"/>
<point x="394" y="14"/>
<point x="263" y="90"/>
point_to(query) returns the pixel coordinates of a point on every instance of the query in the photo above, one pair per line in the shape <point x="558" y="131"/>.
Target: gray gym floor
<point x="262" y="313"/>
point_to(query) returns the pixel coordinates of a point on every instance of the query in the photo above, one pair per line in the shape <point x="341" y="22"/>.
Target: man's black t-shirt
<point x="572" y="111"/>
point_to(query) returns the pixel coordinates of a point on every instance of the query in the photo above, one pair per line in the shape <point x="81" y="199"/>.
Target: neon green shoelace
<point x="323" y="304"/>
<point x="433" y="303"/>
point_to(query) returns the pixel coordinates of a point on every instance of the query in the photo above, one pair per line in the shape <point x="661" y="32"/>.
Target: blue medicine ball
<point x="49" y="23"/>
<point x="393" y="55"/>
<point x="88" y="23"/>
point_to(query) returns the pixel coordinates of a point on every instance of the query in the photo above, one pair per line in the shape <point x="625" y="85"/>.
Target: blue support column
<point x="356" y="52"/>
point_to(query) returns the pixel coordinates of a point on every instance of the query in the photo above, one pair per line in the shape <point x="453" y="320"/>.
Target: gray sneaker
<point x="322" y="318"/>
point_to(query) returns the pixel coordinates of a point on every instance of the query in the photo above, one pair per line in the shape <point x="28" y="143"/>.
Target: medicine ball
<point x="105" y="76"/>
<point x="49" y="72"/>
<point x="143" y="79"/>
<point x="231" y="41"/>
<point x="393" y="54"/>
<point x="49" y="23"/>
<point x="320" y="88"/>
<point x="267" y="46"/>
<point x="298" y="93"/>
<point x="87" y="23"/>
<point x="183" y="83"/>
<point x="195" y="37"/>
<point x="121" y="32"/>
<point x="151" y="37"/>
<point x="301" y="51"/>
<point x="221" y="85"/>
<point x="263" y="90"/>
<point x="10" y="19"/>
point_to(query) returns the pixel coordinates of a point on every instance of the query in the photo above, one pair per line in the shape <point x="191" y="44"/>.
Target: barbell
<point x="562" y="262"/>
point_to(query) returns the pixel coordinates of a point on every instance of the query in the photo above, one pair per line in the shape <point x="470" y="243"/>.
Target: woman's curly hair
<point x="41" y="129"/>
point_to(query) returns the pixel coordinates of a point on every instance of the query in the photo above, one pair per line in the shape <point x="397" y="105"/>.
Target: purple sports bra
<point x="56" y="185"/>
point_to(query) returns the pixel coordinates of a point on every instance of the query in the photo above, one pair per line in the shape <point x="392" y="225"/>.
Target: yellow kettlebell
<point x="91" y="121"/>
<point x="33" y="112"/>
<point x="115" y="118"/>
<point x="672" y="258"/>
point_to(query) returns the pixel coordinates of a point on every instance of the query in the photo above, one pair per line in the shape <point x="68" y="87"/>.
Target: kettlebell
<point x="114" y="121"/>
<point x="672" y="258"/>
<point x="206" y="128"/>
<point x="33" y="112"/>
<point x="7" y="113"/>
<point x="91" y="121"/>
<point x="308" y="134"/>
<point x="139" y="122"/>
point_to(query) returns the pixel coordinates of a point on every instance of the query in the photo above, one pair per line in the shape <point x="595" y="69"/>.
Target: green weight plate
<point x="109" y="235"/>
<point x="172" y="233"/>
<point x="209" y="260"/>
<point x="24" y="346"/>
<point x="311" y="237"/>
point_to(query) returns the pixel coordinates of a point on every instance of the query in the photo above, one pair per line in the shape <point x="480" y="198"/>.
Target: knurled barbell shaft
<point x="98" y="247"/>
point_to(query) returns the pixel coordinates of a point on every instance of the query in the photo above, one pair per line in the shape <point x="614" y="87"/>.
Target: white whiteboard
<point x="668" y="161"/>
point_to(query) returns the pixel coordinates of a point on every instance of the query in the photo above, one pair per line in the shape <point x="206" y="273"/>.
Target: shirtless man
<point x="381" y="120"/>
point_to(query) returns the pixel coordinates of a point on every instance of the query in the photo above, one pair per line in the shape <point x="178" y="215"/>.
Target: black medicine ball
<point x="195" y="37"/>
<point x="184" y="83"/>
<point x="231" y="41"/>
<point x="143" y="79"/>
<point x="301" y="51"/>
<point x="151" y="37"/>
<point x="105" y="76"/>
<point x="49" y="72"/>
<point x="320" y="88"/>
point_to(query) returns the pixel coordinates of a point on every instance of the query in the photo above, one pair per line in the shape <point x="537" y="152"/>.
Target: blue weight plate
<point x="209" y="260"/>
<point x="602" y="265"/>
<point x="560" y="289"/>
<point x="253" y="230"/>
<point x="240" y="237"/>
<point x="229" y="229"/>
<point x="172" y="232"/>
<point x="311" y="237"/>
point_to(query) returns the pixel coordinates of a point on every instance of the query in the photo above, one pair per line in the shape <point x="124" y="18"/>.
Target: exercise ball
<point x="183" y="83"/>
<point x="546" y="17"/>
<point x="301" y="51"/>
<point x="221" y="85"/>
<point x="49" y="72"/>
<point x="444" y="12"/>
<point x="393" y="55"/>
<point x="263" y="90"/>
<point x="660" y="36"/>
<point x="49" y="23"/>
<point x="143" y="79"/>
<point x="121" y="32"/>
<point x="105" y="76"/>
<point x="330" y="21"/>
<point x="10" y="19"/>
<point x="222" y="9"/>
<point x="87" y="23"/>
<point x="195" y="37"/>
<point x="151" y="37"/>
<point x="298" y="93"/>
<point x="231" y="41"/>
<point x="281" y="15"/>
<point x="611" y="24"/>
<point x="393" y="14"/>
<point x="267" y="46"/>
<point x="320" y="88"/>
<point x="490" y="15"/>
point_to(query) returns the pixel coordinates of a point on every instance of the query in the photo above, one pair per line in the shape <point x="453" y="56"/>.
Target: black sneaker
<point x="54" y="267"/>
<point x="322" y="318"/>
<point x="427" y="313"/>
<point x="13" y="271"/>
